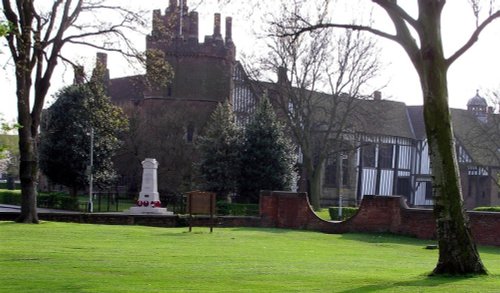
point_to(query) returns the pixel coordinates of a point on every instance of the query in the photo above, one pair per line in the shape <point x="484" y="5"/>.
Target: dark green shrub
<point x="54" y="200"/>
<point x="237" y="209"/>
<point x="57" y="200"/>
<point x="347" y="212"/>
<point x="223" y="208"/>
<point x="69" y="203"/>
<point x="12" y="197"/>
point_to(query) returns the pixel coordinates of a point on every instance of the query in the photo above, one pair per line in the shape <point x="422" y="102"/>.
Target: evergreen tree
<point x="219" y="152"/>
<point x="65" y="140"/>
<point x="267" y="157"/>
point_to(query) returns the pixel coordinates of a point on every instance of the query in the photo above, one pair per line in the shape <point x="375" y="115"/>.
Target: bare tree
<point x="35" y="41"/>
<point x="321" y="76"/>
<point x="457" y="251"/>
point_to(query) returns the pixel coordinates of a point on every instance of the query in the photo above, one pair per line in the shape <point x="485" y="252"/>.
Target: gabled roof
<point x="368" y="116"/>
<point x="384" y="117"/>
<point x="416" y="116"/>
<point x="480" y="140"/>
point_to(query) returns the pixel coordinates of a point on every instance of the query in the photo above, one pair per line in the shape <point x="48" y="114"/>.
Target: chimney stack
<point x="229" y="29"/>
<point x="173" y="5"/>
<point x="282" y="75"/>
<point x="79" y="73"/>
<point x="491" y="110"/>
<point x="102" y="59"/>
<point x="193" y="29"/>
<point x="217" y="34"/>
<point x="377" y="95"/>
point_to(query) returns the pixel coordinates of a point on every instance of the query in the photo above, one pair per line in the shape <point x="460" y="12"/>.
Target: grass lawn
<point x="324" y="214"/>
<point x="63" y="257"/>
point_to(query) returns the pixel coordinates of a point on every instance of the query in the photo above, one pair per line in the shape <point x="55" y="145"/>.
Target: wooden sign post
<point x="201" y="203"/>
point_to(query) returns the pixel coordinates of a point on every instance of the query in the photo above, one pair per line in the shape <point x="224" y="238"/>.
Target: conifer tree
<point x="267" y="156"/>
<point x="219" y="152"/>
<point x="65" y="139"/>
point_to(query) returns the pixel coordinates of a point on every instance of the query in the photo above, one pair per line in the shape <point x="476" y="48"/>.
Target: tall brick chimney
<point x="193" y="29"/>
<point x="102" y="59"/>
<point x="282" y="77"/>
<point x="103" y="72"/>
<point x="229" y="29"/>
<point x="217" y="34"/>
<point x="173" y="5"/>
<point x="79" y="73"/>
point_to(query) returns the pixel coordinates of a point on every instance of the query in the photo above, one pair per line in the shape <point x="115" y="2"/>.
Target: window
<point x="330" y="172"/>
<point x="330" y="175"/>
<point x="404" y="187"/>
<point x="368" y="155"/>
<point x="385" y="156"/>
<point x="169" y="91"/>
<point x="428" y="190"/>
<point x="190" y="132"/>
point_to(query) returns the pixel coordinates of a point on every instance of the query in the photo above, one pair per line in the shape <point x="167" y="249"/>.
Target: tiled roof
<point x="377" y="117"/>
<point x="480" y="140"/>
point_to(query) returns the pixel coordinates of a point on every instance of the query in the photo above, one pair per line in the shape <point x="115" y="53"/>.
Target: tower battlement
<point x="176" y="33"/>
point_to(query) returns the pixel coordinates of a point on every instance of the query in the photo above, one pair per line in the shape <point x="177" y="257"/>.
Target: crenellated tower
<point x="202" y="71"/>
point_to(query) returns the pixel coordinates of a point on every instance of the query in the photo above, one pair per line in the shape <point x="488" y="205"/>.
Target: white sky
<point x="477" y="69"/>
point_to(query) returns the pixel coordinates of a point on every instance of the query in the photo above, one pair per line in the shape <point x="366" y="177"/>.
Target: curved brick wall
<point x="376" y="214"/>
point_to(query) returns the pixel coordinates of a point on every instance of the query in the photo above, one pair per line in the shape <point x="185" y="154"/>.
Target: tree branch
<point x="298" y="31"/>
<point x="393" y="8"/>
<point x="473" y="38"/>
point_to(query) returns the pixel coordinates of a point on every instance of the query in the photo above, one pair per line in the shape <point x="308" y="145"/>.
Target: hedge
<point x="487" y="209"/>
<point x="347" y="212"/>
<point x="54" y="200"/>
<point x="12" y="197"/>
<point x="237" y="209"/>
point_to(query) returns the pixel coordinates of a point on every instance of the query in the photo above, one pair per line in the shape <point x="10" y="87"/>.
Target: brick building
<point x="166" y="120"/>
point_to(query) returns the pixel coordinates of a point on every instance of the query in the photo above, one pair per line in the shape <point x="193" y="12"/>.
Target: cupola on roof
<point x="477" y="101"/>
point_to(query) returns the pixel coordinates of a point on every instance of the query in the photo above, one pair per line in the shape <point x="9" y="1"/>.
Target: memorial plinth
<point x="149" y="198"/>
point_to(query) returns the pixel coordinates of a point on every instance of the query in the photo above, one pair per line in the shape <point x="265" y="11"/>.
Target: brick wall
<point x="377" y="214"/>
<point x="386" y="214"/>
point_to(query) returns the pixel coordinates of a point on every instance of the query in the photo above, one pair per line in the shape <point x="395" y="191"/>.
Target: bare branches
<point x="396" y="11"/>
<point x="295" y="31"/>
<point x="473" y="38"/>
<point x="322" y="75"/>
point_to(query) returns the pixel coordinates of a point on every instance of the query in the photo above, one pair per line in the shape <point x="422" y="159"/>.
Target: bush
<point x="54" y="200"/>
<point x="57" y="200"/>
<point x="237" y="209"/>
<point x="12" y="197"/>
<point x="487" y="209"/>
<point x="347" y="212"/>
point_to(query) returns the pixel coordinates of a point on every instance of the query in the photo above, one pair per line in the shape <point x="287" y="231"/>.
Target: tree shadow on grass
<point x="387" y="238"/>
<point x="421" y="283"/>
<point x="269" y="230"/>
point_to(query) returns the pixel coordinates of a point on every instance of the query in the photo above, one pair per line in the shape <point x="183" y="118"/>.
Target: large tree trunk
<point x="313" y="175"/>
<point x="28" y="170"/>
<point x="457" y="252"/>
<point x="28" y="136"/>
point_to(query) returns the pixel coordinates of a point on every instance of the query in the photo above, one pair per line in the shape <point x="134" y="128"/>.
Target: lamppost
<point x="91" y="206"/>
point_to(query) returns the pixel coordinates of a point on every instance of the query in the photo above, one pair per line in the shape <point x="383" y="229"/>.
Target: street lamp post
<point x="91" y="206"/>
